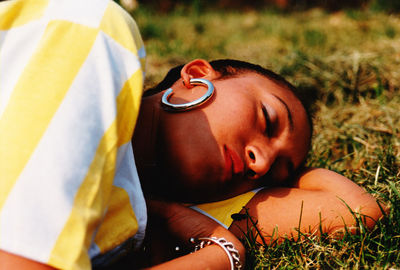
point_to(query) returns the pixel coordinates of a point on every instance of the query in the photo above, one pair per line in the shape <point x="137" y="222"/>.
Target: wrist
<point x="236" y="258"/>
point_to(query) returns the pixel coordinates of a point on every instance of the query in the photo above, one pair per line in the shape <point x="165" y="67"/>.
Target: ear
<point x="198" y="68"/>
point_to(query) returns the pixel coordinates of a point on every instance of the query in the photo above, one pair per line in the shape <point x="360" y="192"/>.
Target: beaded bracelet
<point x="228" y="247"/>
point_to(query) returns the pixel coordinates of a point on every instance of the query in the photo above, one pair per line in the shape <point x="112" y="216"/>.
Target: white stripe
<point x="142" y="55"/>
<point x="142" y="52"/>
<point x="208" y="215"/>
<point x="16" y="47"/>
<point x="41" y="201"/>
<point x="128" y="179"/>
<point x="94" y="250"/>
<point x="87" y="12"/>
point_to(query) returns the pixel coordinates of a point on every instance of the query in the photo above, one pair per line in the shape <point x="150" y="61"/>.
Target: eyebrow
<point x="289" y="114"/>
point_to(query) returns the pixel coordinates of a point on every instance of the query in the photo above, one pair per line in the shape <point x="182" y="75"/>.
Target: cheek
<point x="191" y="154"/>
<point x="280" y="170"/>
<point x="231" y="116"/>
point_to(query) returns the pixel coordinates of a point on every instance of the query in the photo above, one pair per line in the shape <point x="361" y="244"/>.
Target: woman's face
<point x="252" y="131"/>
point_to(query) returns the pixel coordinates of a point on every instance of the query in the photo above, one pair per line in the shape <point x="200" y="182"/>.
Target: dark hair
<point x="228" y="68"/>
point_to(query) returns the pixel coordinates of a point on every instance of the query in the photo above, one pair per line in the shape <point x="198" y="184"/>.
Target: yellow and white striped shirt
<point x="71" y="78"/>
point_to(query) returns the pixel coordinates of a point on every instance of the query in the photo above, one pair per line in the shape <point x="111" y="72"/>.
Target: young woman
<point x="70" y="195"/>
<point x="257" y="116"/>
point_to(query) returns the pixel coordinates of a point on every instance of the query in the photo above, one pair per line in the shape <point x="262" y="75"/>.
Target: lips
<point x="233" y="163"/>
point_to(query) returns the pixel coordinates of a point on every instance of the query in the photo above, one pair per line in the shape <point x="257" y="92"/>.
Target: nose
<point x="259" y="160"/>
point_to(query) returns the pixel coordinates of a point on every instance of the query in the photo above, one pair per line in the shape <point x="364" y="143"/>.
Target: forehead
<point x="261" y="84"/>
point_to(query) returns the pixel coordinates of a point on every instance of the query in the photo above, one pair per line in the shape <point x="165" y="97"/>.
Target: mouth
<point x="233" y="163"/>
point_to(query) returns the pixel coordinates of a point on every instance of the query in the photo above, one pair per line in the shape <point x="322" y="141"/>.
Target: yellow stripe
<point x="94" y="193"/>
<point x="120" y="26"/>
<point x="20" y="12"/>
<point x="223" y="210"/>
<point x="119" y="223"/>
<point x="89" y="204"/>
<point x="38" y="94"/>
<point x="128" y="105"/>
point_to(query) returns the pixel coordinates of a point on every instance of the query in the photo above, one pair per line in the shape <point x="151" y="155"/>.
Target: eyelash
<point x="268" y="125"/>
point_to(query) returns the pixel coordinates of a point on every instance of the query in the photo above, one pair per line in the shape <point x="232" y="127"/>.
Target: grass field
<point x="349" y="62"/>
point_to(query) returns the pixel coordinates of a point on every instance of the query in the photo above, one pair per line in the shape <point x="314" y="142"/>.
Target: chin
<point x="187" y="189"/>
<point x="189" y="182"/>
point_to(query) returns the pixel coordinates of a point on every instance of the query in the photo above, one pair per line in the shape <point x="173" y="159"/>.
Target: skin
<point x="11" y="261"/>
<point x="251" y="126"/>
<point x="321" y="192"/>
<point x="325" y="197"/>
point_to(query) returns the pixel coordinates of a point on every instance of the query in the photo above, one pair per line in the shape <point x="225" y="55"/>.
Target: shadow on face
<point x="251" y="124"/>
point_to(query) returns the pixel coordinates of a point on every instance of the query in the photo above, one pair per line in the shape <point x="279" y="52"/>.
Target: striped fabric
<point x="222" y="211"/>
<point x="71" y="78"/>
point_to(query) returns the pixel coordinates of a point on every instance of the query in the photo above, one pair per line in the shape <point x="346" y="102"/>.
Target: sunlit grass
<point x="350" y="62"/>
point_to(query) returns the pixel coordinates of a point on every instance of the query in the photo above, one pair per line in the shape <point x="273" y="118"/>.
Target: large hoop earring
<point x="190" y="105"/>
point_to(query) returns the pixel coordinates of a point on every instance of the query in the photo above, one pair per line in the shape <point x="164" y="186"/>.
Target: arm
<point x="11" y="261"/>
<point x="320" y="196"/>
<point x="211" y="257"/>
<point x="180" y="224"/>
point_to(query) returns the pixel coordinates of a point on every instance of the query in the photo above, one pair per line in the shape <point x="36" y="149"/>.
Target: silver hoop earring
<point x="190" y="105"/>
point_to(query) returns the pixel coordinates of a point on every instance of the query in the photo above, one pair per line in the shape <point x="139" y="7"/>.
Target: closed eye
<point x="268" y="124"/>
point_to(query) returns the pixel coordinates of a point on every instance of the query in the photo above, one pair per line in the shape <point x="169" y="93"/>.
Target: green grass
<point x="350" y="62"/>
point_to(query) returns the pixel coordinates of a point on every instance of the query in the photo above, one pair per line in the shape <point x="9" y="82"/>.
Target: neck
<point x="145" y="138"/>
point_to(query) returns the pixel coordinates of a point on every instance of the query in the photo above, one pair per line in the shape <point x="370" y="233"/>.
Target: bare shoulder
<point x="319" y="196"/>
<point x="323" y="179"/>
